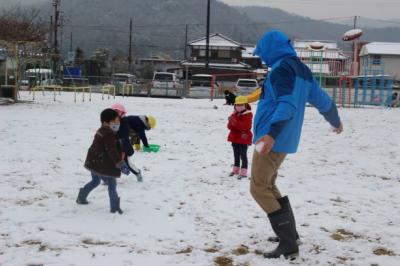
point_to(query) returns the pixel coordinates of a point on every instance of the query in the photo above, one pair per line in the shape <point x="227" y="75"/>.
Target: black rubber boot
<point x="285" y="204"/>
<point x="116" y="207"/>
<point x="82" y="197"/>
<point x="282" y="224"/>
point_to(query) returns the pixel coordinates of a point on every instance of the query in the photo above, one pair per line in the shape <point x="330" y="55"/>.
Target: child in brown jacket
<point x="105" y="160"/>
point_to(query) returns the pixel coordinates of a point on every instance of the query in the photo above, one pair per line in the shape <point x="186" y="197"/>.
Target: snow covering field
<point x="344" y="189"/>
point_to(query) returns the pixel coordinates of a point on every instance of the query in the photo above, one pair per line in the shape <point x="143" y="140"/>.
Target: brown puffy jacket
<point x="104" y="156"/>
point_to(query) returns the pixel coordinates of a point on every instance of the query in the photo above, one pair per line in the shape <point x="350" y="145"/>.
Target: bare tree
<point x="20" y="29"/>
<point x="21" y="25"/>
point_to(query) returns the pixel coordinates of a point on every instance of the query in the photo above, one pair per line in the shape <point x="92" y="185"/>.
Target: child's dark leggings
<point x="240" y="153"/>
<point x="112" y="187"/>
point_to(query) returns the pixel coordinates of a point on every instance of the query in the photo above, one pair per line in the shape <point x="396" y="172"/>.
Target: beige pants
<point x="264" y="171"/>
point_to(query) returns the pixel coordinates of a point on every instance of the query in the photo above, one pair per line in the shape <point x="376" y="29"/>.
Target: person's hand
<point x="264" y="145"/>
<point x="233" y="120"/>
<point x="339" y="129"/>
<point x="125" y="169"/>
<point x="123" y="156"/>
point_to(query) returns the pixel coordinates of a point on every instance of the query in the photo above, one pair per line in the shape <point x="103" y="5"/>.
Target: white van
<point x="246" y="86"/>
<point x="201" y="86"/>
<point x="165" y="84"/>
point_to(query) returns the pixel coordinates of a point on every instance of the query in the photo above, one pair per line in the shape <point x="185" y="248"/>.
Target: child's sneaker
<point x="243" y="173"/>
<point x="235" y="171"/>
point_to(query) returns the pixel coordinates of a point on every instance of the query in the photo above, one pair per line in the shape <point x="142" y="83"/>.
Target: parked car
<point x="165" y="84"/>
<point x="48" y="82"/>
<point x="119" y="79"/>
<point x="246" y="86"/>
<point x="75" y="82"/>
<point x="201" y="86"/>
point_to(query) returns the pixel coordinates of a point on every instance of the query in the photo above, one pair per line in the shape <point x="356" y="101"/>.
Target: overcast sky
<point x="378" y="9"/>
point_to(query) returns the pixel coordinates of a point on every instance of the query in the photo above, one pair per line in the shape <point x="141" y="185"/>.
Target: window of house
<point x="202" y="53"/>
<point x="224" y="53"/>
<point x="376" y="60"/>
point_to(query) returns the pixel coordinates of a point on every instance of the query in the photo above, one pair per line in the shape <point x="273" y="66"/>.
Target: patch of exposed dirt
<point x="89" y="241"/>
<point x="384" y="252"/>
<point x="223" y="261"/>
<point x="185" y="251"/>
<point x="242" y="250"/>
<point x="211" y="250"/>
<point x="343" y="235"/>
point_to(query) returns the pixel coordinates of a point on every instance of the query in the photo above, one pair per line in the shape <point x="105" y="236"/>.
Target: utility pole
<point x="50" y="40"/>
<point x="186" y="42"/>
<point x="355" y="22"/>
<point x="208" y="38"/>
<point x="130" y="48"/>
<point x="355" y="50"/>
<point x="61" y="25"/>
<point x="56" y="24"/>
<point x="70" y="42"/>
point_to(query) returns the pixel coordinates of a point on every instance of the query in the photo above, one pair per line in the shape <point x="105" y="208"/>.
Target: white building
<point x="329" y="60"/>
<point x="376" y="57"/>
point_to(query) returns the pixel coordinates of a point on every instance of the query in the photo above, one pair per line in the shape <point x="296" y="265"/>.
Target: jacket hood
<point x="273" y="46"/>
<point x="143" y="118"/>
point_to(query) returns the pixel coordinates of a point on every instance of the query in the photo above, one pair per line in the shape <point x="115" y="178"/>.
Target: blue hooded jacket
<point x="287" y="88"/>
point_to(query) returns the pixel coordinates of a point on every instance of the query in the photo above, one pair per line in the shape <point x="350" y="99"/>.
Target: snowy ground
<point x="344" y="189"/>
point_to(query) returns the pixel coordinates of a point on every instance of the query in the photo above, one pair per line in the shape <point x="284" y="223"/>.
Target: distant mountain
<point x="363" y="22"/>
<point x="159" y="25"/>
<point x="306" y="28"/>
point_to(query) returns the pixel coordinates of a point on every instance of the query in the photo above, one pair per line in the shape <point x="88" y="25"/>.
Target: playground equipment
<point x="58" y="88"/>
<point x="371" y="88"/>
<point x="353" y="35"/>
<point x="316" y="60"/>
<point x="127" y="89"/>
<point x="109" y="89"/>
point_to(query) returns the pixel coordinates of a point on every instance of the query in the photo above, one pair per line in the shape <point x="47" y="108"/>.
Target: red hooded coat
<point x="240" y="127"/>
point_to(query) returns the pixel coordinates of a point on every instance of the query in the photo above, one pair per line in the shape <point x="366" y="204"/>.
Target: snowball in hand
<point x="260" y="146"/>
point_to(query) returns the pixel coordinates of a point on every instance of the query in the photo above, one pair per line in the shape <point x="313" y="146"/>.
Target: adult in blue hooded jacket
<point x="278" y="122"/>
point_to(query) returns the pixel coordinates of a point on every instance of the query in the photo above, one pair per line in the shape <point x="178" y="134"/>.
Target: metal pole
<point x="16" y="49"/>
<point x="6" y="74"/>
<point x="130" y="48"/>
<point x="355" y="22"/>
<point x="208" y="37"/>
<point x="186" y="41"/>
<point x="70" y="42"/>
<point x="56" y="25"/>
<point x="51" y="34"/>
<point x="187" y="81"/>
<point x="355" y="65"/>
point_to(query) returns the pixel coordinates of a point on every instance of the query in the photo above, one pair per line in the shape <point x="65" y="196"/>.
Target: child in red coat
<point x="240" y="135"/>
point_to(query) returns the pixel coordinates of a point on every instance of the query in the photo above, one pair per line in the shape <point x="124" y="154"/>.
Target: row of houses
<point x="229" y="56"/>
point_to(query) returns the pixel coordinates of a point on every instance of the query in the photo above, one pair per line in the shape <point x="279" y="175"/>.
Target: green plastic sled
<point x="152" y="148"/>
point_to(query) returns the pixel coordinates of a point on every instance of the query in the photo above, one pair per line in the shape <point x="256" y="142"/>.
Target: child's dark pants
<point x="240" y="153"/>
<point x="112" y="187"/>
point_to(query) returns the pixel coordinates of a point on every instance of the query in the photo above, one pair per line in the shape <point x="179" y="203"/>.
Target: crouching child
<point x="105" y="160"/>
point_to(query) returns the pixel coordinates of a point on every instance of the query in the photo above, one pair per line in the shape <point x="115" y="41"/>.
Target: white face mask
<point x="114" y="127"/>
<point x="240" y="108"/>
